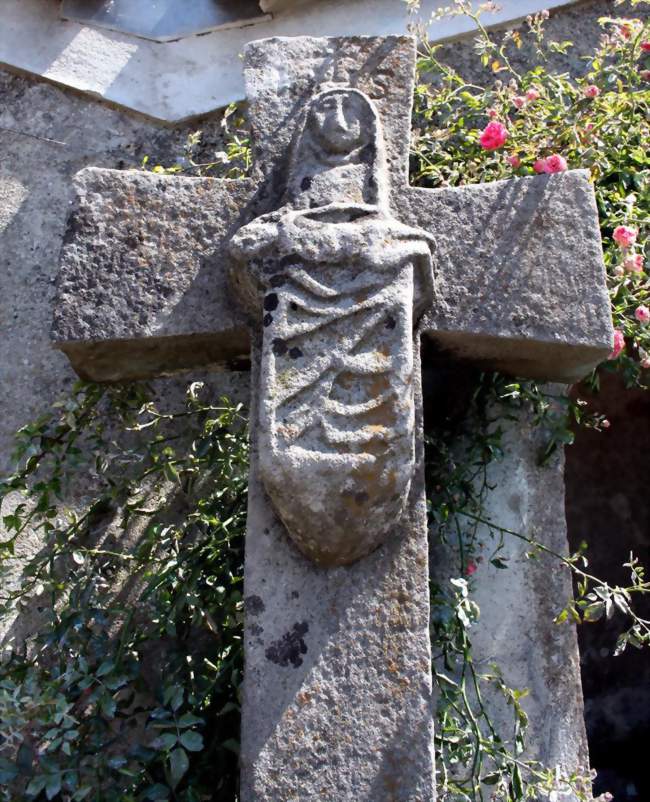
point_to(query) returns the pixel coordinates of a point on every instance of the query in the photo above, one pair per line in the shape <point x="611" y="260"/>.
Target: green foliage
<point x="604" y="134"/>
<point x="129" y="689"/>
<point x="476" y="759"/>
<point x="607" y="135"/>
<point x="233" y="162"/>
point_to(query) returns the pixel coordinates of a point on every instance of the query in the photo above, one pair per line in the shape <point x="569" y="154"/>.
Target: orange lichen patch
<point x="289" y="432"/>
<point x="304" y="698"/>
<point x="383" y="415"/>
<point x="378" y="385"/>
<point x="345" y="380"/>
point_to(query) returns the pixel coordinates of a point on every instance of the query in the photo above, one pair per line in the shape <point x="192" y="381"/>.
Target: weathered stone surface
<point x="142" y="287"/>
<point x="530" y="245"/>
<point x="520" y="277"/>
<point x="518" y="604"/>
<point x="505" y="251"/>
<point x="283" y="75"/>
<point x="337" y="683"/>
<point x="340" y="284"/>
<point x="337" y="689"/>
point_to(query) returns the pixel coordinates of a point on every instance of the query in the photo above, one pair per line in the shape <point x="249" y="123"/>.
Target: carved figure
<point x="339" y="284"/>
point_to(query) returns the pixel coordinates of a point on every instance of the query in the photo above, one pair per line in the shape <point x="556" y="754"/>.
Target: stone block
<point x="142" y="288"/>
<point x="520" y="278"/>
<point x="337" y="684"/>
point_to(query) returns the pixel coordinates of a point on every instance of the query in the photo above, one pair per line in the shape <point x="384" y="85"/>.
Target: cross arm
<point x="520" y="279"/>
<point x="142" y="285"/>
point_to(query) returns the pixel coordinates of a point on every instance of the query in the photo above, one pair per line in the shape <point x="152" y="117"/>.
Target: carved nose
<point x="341" y="123"/>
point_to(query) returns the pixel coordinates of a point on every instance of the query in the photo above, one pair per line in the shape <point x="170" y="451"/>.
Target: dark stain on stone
<point x="293" y="305"/>
<point x="267" y="319"/>
<point x="75" y="223"/>
<point x="295" y="594"/>
<point x="253" y="605"/>
<point x="291" y="259"/>
<point x="295" y="353"/>
<point x="306" y="182"/>
<point x="390" y="322"/>
<point x="277" y="280"/>
<point x="361" y="497"/>
<point x="290" y="647"/>
<point x="279" y="346"/>
<point x="368" y="154"/>
<point x="256" y="630"/>
<point x="271" y="301"/>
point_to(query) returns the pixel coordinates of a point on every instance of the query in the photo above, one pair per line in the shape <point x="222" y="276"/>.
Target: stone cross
<point x="327" y="268"/>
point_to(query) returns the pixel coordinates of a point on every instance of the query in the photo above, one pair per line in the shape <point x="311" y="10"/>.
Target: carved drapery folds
<point x="339" y="284"/>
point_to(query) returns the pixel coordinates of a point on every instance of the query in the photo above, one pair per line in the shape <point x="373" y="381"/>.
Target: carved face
<point x="340" y="122"/>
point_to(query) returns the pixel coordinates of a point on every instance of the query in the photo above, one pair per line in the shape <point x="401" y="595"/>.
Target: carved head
<point x="338" y="153"/>
<point x="340" y="121"/>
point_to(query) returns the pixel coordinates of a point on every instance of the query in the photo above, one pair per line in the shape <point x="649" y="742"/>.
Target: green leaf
<point x="156" y="792"/>
<point x="8" y="770"/>
<point x="232" y="745"/>
<point x="36" y="785"/>
<point x="594" y="611"/>
<point x="108" y="706"/>
<point x="517" y="787"/>
<point x="25" y="758"/>
<point x="53" y="785"/>
<point x="166" y="741"/>
<point x="104" y="668"/>
<point x="179" y="763"/>
<point x="189" y="719"/>
<point x="491" y="779"/>
<point x="193" y="741"/>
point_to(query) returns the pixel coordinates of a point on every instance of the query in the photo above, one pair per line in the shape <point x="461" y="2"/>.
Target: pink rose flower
<point x="645" y="75"/>
<point x="605" y="424"/>
<point x="645" y="362"/>
<point x="645" y="47"/>
<point x="519" y="101"/>
<point x="625" y="30"/>
<point x="555" y="164"/>
<point x="592" y="91"/>
<point x="642" y="314"/>
<point x="514" y="161"/>
<point x="532" y="94"/>
<point x="472" y="568"/>
<point x="624" y="236"/>
<point x="492" y="114"/>
<point x="619" y="343"/>
<point x="619" y="270"/>
<point x="633" y="263"/>
<point x="493" y="136"/>
<point x="540" y="166"/>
